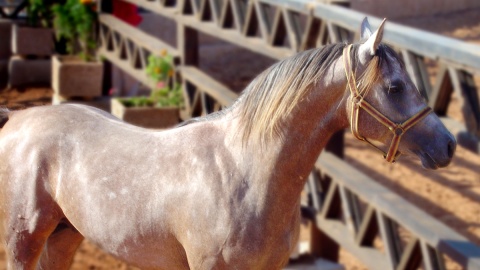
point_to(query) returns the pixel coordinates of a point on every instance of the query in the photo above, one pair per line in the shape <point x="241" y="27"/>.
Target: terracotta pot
<point x="73" y="77"/>
<point x="147" y="117"/>
<point x="35" y="41"/>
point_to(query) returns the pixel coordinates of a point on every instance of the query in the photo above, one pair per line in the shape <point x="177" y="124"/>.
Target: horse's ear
<point x="365" y="30"/>
<point x="367" y="50"/>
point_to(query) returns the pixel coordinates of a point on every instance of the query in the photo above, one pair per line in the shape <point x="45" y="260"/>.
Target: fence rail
<point x="348" y="206"/>
<point x="11" y="9"/>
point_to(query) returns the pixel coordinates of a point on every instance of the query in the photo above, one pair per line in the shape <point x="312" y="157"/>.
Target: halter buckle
<point x="399" y="131"/>
<point x="358" y="101"/>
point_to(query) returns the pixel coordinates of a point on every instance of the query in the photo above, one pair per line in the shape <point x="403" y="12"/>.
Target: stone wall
<point x="393" y="9"/>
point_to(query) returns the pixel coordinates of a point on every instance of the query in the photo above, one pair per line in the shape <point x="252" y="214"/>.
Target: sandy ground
<point x="450" y="195"/>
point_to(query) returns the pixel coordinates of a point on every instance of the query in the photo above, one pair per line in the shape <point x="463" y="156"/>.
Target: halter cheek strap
<point x="359" y="102"/>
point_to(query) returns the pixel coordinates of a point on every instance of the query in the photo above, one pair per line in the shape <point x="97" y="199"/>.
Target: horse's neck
<point x="280" y="167"/>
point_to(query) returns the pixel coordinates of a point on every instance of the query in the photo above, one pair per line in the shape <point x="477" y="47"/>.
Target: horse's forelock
<point x="385" y="57"/>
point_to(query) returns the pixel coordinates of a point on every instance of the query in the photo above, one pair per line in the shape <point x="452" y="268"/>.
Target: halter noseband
<point x="358" y="101"/>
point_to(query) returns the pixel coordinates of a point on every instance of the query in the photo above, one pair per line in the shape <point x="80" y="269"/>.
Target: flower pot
<point x="35" y="41"/>
<point x="73" y="77"/>
<point x="147" y="117"/>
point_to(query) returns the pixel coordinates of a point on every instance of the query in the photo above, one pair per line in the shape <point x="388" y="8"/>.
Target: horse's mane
<point x="272" y="95"/>
<point x="4" y="112"/>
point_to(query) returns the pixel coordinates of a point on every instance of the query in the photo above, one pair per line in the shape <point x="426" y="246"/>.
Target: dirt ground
<point x="450" y="195"/>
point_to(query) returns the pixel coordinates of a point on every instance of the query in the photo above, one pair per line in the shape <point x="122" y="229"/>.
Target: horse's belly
<point x="240" y="258"/>
<point x="271" y="257"/>
<point x="160" y="256"/>
<point x="124" y="230"/>
<point x="146" y="253"/>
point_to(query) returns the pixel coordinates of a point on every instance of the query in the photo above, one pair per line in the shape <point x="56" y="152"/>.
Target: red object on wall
<point x="126" y="12"/>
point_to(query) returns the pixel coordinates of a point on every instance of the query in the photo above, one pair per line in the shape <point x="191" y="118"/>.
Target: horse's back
<point x="41" y="125"/>
<point x="42" y="120"/>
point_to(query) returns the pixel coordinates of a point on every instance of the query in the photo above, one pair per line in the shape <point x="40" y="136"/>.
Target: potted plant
<point x="79" y="73"/>
<point x="38" y="28"/>
<point x="161" y="109"/>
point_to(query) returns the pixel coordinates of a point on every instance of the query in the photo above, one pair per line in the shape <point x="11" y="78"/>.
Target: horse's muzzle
<point x="439" y="156"/>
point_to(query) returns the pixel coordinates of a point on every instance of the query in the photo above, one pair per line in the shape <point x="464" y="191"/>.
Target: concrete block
<point x="29" y="71"/>
<point x="102" y="103"/>
<point x="35" y="41"/>
<point x="72" y="77"/>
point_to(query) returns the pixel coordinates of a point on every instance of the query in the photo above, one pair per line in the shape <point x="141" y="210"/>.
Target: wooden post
<point x="336" y="144"/>
<point x="106" y="7"/>
<point x="323" y="246"/>
<point x="107" y="78"/>
<point x="187" y="42"/>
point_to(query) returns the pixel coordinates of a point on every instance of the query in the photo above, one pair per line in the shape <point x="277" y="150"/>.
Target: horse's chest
<point x="265" y="247"/>
<point x="270" y="252"/>
<point x="251" y="245"/>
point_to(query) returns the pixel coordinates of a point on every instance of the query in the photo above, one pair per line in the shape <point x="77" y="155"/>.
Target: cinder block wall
<point x="393" y="9"/>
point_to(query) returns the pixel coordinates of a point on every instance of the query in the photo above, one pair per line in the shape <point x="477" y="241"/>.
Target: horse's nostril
<point x="451" y="148"/>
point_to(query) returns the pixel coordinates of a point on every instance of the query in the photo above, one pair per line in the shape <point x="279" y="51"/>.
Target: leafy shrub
<point x="167" y="92"/>
<point x="74" y="21"/>
<point x="39" y="13"/>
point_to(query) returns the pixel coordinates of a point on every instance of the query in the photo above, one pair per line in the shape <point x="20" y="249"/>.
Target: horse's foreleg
<point x="24" y="246"/>
<point x="60" y="248"/>
<point x="28" y="222"/>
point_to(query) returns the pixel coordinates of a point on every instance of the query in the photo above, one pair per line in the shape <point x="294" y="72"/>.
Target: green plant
<point x="167" y="93"/>
<point x="74" y="21"/>
<point x="39" y="13"/>
<point x="168" y="96"/>
<point x="160" y="68"/>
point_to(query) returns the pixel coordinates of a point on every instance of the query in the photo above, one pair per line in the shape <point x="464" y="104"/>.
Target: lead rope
<point x="358" y="102"/>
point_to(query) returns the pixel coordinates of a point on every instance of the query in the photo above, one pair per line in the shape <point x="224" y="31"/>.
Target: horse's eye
<point x="395" y="88"/>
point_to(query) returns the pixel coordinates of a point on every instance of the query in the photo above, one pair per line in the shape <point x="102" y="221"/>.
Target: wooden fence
<point x="11" y="9"/>
<point x="350" y="209"/>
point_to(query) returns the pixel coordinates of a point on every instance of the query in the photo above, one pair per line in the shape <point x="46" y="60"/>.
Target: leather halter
<point x="359" y="102"/>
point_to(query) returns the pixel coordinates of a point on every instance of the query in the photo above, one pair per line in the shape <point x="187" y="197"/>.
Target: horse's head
<point x="384" y="104"/>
